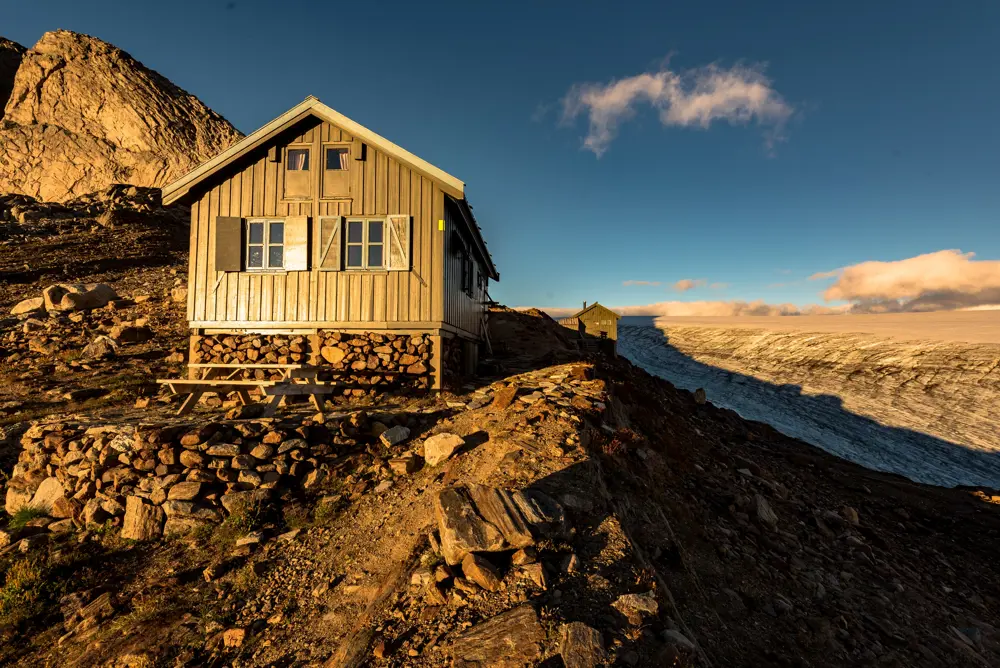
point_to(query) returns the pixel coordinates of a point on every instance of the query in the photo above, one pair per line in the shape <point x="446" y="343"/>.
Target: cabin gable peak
<point x="181" y="189"/>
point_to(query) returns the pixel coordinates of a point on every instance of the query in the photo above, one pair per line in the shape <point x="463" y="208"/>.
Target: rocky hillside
<point x="82" y="114"/>
<point x="558" y="511"/>
<point x="921" y="408"/>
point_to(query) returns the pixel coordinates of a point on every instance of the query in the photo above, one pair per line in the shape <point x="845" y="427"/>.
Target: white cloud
<point x="691" y="98"/>
<point x="686" y="284"/>
<point x="941" y="281"/>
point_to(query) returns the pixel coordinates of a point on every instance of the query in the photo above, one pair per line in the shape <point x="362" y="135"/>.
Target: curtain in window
<point x="297" y="160"/>
<point x="345" y="159"/>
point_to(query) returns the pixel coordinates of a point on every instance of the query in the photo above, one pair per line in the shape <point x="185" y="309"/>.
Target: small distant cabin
<point x="597" y="327"/>
<point x="315" y="228"/>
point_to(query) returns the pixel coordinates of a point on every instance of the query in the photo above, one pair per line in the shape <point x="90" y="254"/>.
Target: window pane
<point x="256" y="258"/>
<point x="354" y="256"/>
<point x="375" y="255"/>
<point x="298" y="159"/>
<point x="277" y="233"/>
<point x="354" y="231"/>
<point x="375" y="232"/>
<point x="337" y="158"/>
<point x="275" y="255"/>
<point x="256" y="233"/>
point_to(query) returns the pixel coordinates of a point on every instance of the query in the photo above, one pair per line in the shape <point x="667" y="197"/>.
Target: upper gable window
<point x="336" y="171"/>
<point x="337" y="158"/>
<point x="298" y="182"/>
<point x="298" y="160"/>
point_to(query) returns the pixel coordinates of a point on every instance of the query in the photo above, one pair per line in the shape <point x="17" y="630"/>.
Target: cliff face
<point x="83" y="114"/>
<point x="10" y="60"/>
<point x="925" y="409"/>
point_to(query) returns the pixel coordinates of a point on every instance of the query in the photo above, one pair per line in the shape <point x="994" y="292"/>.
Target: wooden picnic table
<point x="296" y="379"/>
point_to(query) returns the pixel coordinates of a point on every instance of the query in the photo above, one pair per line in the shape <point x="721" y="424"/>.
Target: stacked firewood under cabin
<point x="366" y="362"/>
<point x="375" y="361"/>
<point x="252" y="349"/>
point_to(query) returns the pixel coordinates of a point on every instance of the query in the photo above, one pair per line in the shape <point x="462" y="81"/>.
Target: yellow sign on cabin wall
<point x="441" y="226"/>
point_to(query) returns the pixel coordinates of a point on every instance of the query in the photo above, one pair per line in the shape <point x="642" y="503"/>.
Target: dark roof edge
<point x="477" y="236"/>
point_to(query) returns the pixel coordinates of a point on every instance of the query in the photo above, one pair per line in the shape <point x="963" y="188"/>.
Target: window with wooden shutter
<point x="228" y="244"/>
<point x="297" y="243"/>
<point x="328" y="243"/>
<point x="399" y="243"/>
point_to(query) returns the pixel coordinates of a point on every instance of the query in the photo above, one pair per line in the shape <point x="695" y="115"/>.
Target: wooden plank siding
<point x="380" y="185"/>
<point x="460" y="309"/>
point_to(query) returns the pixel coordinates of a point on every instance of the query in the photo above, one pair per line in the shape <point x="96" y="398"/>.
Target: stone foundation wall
<point x="368" y="362"/>
<point x="165" y="479"/>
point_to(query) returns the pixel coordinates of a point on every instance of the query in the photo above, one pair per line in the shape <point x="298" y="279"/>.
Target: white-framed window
<point x="265" y="244"/>
<point x="364" y="243"/>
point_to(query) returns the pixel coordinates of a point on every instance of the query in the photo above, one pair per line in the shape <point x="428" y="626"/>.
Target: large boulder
<point x="77" y="296"/>
<point x="84" y="114"/>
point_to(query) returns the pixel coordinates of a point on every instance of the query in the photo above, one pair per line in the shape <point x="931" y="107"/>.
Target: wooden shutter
<point x="328" y="245"/>
<point x="228" y="244"/>
<point x="297" y="243"/>
<point x="399" y="243"/>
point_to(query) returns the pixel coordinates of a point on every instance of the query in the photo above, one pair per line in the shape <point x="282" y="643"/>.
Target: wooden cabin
<point x="597" y="327"/>
<point x="315" y="233"/>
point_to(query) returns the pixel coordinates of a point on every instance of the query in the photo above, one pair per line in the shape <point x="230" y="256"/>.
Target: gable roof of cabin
<point x="592" y="307"/>
<point x="178" y="190"/>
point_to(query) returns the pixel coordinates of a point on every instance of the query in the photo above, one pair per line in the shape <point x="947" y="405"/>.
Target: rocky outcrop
<point x="10" y="59"/>
<point x="923" y="409"/>
<point x="83" y="114"/>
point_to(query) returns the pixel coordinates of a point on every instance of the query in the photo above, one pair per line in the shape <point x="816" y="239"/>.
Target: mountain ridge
<point x="82" y="114"/>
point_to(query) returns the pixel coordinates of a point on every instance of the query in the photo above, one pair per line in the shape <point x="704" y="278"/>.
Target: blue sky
<point x="889" y="142"/>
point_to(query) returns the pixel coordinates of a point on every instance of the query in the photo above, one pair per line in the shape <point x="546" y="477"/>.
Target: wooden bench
<point x="296" y="379"/>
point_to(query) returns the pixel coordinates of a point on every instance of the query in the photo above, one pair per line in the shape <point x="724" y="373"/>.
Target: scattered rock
<point x="234" y="637"/>
<point x="394" y="436"/>
<point x="100" y="348"/>
<point x="440" y="447"/>
<point x="131" y="333"/>
<point x="28" y="306"/>
<point x="481" y="571"/>
<point x="637" y="606"/>
<point x="504" y="397"/>
<point x="764" y="512"/>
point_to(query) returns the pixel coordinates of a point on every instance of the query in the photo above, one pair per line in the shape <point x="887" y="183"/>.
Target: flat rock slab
<point x="581" y="646"/>
<point x="477" y="518"/>
<point x="512" y="638"/>
<point x="462" y="528"/>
